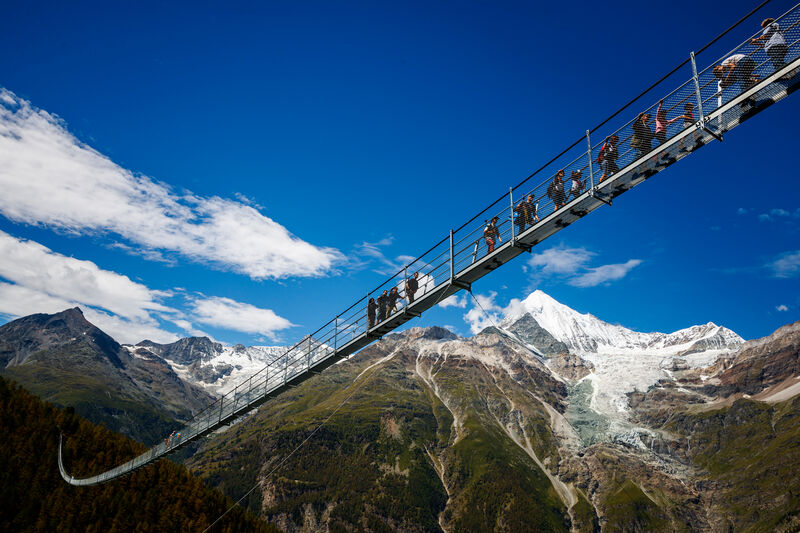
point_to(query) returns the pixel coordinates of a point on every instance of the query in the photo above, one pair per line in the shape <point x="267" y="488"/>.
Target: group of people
<point x="642" y="138"/>
<point x="173" y="439"/>
<point x="386" y="304"/>
<point x="738" y="68"/>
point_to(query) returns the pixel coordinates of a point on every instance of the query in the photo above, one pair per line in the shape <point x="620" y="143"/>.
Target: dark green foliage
<point x="501" y="487"/>
<point x="33" y="497"/>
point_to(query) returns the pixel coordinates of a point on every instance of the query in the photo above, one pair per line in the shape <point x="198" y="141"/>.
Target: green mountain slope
<point x="33" y="497"/>
<point x="405" y="452"/>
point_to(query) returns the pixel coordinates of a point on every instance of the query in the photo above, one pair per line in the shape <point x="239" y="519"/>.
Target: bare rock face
<point x="761" y="363"/>
<point x="570" y="366"/>
<point x="529" y="331"/>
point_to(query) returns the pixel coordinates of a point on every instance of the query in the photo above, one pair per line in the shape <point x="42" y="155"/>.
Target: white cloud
<point x="31" y="265"/>
<point x="572" y="265"/>
<point x="487" y="314"/>
<point x="238" y="316"/>
<point x="777" y="213"/>
<point x="17" y="301"/>
<point x="49" y="178"/>
<point x="781" y="308"/>
<point x="38" y="280"/>
<point x="786" y="266"/>
<point x="560" y="260"/>
<point x="456" y="300"/>
<point x="604" y="274"/>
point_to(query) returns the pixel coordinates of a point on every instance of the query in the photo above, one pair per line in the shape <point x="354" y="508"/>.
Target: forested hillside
<point x="33" y="497"/>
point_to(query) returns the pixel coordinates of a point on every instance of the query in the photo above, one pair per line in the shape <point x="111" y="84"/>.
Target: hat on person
<point x="767" y="21"/>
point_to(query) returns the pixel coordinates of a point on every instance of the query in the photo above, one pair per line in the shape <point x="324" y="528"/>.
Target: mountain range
<point x="549" y="420"/>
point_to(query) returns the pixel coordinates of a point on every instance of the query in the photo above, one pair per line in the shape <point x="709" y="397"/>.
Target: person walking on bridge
<point x="737" y="68"/>
<point x="642" y="138"/>
<point x="662" y="122"/>
<point x="608" y="156"/>
<point x="774" y="43"/>
<point x="556" y="190"/>
<point x="491" y="235"/>
<point x="577" y="184"/>
<point x="412" y="285"/>
<point x="383" y="303"/>
<point x="391" y="307"/>
<point x="371" y="308"/>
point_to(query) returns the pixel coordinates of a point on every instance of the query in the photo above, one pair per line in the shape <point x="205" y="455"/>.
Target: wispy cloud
<point x="778" y="214"/>
<point x="572" y="265"/>
<point x="34" y="279"/>
<point x="50" y="178"/>
<point x="787" y="265"/>
<point x="604" y="274"/>
<point x="781" y="308"/>
<point x="372" y="254"/>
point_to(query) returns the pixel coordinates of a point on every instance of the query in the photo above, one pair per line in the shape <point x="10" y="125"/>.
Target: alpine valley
<point x="549" y="420"/>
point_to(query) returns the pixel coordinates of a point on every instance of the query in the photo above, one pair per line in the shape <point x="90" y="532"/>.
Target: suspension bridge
<point x="464" y="256"/>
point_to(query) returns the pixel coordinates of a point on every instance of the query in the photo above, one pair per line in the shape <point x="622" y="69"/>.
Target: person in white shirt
<point x="774" y="43"/>
<point x="737" y="68"/>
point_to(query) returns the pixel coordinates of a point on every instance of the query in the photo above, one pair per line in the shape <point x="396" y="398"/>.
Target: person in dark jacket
<point x="556" y="190"/>
<point x="383" y="302"/>
<point x="371" y="308"/>
<point x="608" y="157"/>
<point x="412" y="285"/>
<point x="642" y="138"/>
<point x="391" y="306"/>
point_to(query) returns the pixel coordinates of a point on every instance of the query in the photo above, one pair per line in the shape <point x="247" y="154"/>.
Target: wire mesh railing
<point x="577" y="172"/>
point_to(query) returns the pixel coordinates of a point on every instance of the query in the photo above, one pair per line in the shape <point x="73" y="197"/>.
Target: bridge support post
<point x="698" y="94"/>
<point x="336" y="332"/>
<point x="589" y="152"/>
<point x="452" y="264"/>
<point x="511" y="216"/>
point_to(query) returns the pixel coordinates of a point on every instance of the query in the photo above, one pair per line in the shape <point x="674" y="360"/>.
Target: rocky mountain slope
<point x="507" y="431"/>
<point x="64" y="359"/>
<point x="213" y="366"/>
<point x="551" y="421"/>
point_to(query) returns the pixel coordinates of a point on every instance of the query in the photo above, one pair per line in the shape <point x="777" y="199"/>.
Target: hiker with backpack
<point x="491" y="235"/>
<point x="555" y="191"/>
<point x="642" y="138"/>
<point x="774" y="43"/>
<point x="608" y="156"/>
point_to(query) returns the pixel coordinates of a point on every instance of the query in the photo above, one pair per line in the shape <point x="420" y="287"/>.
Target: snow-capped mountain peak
<point x="587" y="334"/>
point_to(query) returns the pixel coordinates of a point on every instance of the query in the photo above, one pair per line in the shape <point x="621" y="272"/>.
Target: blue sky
<point x="249" y="171"/>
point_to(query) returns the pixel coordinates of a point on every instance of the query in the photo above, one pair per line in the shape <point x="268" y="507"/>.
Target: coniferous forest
<point x="33" y="497"/>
